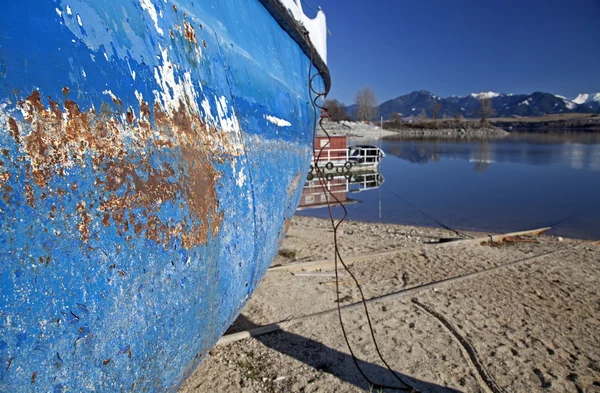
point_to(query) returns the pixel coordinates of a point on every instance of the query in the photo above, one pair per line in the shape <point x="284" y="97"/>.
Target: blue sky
<point x="455" y="47"/>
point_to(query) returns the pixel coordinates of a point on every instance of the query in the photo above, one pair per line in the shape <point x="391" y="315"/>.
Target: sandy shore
<point x="532" y="327"/>
<point x="357" y="131"/>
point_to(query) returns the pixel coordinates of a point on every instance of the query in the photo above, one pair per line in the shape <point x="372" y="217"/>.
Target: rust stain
<point x="53" y="212"/>
<point x="129" y="117"/>
<point x="6" y="191"/>
<point x="188" y="32"/>
<point x="29" y="194"/>
<point x="84" y="222"/>
<point x="64" y="137"/>
<point x="286" y="226"/>
<point x="53" y="142"/>
<point x="4" y="178"/>
<point x="294" y="184"/>
<point x="14" y="130"/>
<point x="35" y="100"/>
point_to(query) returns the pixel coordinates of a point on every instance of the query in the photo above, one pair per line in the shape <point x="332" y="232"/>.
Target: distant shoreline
<point x="468" y="128"/>
<point x="567" y="122"/>
<point x="445" y="129"/>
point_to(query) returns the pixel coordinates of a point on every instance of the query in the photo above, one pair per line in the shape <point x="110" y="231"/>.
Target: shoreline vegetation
<point x="528" y="309"/>
<point x="571" y="122"/>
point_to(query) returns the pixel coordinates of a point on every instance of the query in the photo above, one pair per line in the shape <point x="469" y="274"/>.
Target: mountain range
<point x="423" y="102"/>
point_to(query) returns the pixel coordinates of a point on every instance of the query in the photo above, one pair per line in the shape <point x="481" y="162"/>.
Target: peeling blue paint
<point x="143" y="193"/>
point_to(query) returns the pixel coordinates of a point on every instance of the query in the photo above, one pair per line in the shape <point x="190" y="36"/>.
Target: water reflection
<point x="578" y="151"/>
<point x="496" y="185"/>
<point x="341" y="185"/>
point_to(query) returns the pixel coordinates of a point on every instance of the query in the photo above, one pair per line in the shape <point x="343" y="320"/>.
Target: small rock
<point x="572" y="377"/>
<point x="560" y="239"/>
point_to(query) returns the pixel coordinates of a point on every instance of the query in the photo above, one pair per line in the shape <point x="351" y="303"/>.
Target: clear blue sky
<point x="456" y="47"/>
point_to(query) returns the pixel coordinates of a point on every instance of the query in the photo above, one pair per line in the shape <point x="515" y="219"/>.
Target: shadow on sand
<point x="336" y="363"/>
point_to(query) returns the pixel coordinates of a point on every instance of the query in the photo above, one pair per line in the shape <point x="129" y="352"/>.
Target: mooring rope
<point x="318" y="95"/>
<point x="487" y="379"/>
<point x="440" y="223"/>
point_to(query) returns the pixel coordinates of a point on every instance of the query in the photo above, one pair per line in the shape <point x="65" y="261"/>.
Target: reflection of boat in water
<point x="335" y="157"/>
<point x="340" y="185"/>
<point x="143" y="195"/>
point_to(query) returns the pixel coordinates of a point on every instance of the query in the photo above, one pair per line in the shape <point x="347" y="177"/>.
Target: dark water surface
<point x="515" y="183"/>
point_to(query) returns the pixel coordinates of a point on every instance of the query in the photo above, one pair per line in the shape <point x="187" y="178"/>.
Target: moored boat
<point x="333" y="156"/>
<point x="142" y="187"/>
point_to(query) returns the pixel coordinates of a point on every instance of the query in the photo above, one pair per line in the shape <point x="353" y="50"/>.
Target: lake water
<point x="520" y="182"/>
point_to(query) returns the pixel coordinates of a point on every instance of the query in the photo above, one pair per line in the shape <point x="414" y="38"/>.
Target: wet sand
<point x="529" y="327"/>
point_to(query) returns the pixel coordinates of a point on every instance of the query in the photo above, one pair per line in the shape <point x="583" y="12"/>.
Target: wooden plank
<point x="390" y="296"/>
<point x="253" y="332"/>
<point x="315" y="265"/>
<point x="498" y="238"/>
<point x="328" y="263"/>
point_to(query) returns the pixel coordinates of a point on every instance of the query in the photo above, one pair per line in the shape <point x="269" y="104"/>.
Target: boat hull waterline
<point x="152" y="154"/>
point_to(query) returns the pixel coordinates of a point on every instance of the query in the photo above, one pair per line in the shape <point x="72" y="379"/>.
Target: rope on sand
<point x="471" y="355"/>
<point x="394" y="295"/>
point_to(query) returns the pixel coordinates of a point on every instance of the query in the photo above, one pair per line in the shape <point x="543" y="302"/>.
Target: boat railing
<point x="344" y="184"/>
<point x="346" y="157"/>
<point x="335" y="156"/>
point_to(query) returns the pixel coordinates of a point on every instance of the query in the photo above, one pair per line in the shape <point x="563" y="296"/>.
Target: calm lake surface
<point x="519" y="182"/>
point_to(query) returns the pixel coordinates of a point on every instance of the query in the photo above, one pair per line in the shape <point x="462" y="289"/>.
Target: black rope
<point x="406" y="387"/>
<point x="467" y="346"/>
<point x="463" y="235"/>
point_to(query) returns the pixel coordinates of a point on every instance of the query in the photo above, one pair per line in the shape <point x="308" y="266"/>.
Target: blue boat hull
<point x="151" y="154"/>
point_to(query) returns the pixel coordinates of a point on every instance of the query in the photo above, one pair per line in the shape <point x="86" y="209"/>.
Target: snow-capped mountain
<point x="423" y="102"/>
<point x="588" y="102"/>
<point x="489" y="94"/>
<point x="586" y="98"/>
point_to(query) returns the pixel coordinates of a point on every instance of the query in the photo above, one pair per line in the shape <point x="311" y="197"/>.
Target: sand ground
<point x="357" y="131"/>
<point x="532" y="327"/>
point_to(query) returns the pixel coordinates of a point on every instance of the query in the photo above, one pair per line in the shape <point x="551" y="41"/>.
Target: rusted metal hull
<point x="151" y="153"/>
